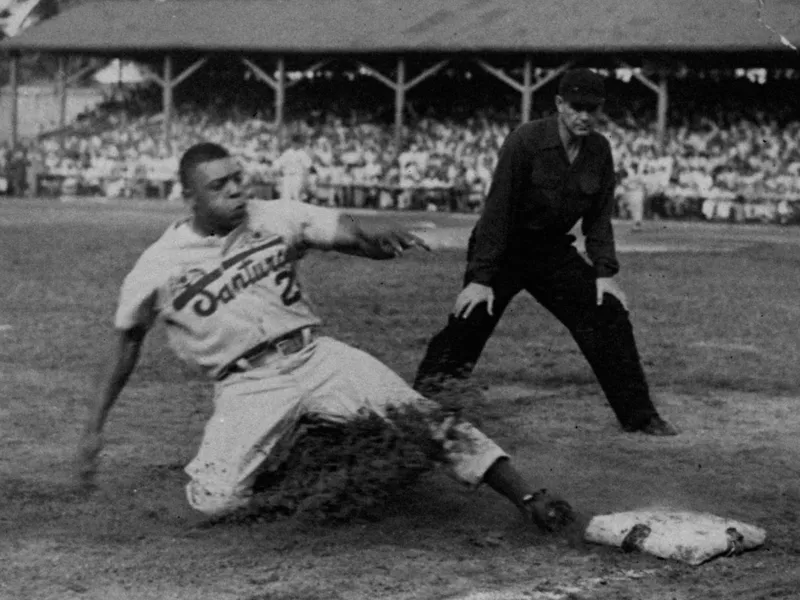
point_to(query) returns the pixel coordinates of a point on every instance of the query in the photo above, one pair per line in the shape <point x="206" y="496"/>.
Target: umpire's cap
<point x="582" y="86"/>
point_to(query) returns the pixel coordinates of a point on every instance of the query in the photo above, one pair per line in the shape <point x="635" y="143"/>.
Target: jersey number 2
<point x="291" y="290"/>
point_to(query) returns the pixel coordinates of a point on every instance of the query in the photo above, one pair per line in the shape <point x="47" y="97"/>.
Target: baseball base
<point x="689" y="537"/>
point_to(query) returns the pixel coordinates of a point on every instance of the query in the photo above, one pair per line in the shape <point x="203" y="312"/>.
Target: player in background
<point x="294" y="165"/>
<point x="224" y="283"/>
<point x="631" y="194"/>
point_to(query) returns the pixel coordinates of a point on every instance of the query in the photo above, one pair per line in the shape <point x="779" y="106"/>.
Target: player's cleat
<point x="549" y="513"/>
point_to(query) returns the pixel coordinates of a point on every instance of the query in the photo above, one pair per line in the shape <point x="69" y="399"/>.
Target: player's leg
<point x="295" y="188"/>
<point x="252" y="412"/>
<point x="286" y="187"/>
<point x="605" y="336"/>
<point x="454" y="351"/>
<point x="340" y="381"/>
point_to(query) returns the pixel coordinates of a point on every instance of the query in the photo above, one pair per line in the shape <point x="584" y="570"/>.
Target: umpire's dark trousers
<point x="564" y="283"/>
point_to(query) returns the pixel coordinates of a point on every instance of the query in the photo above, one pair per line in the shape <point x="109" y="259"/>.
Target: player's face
<point x="217" y="195"/>
<point x="579" y="119"/>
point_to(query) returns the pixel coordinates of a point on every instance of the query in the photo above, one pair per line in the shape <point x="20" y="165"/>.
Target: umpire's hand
<point x="606" y="285"/>
<point x="470" y="297"/>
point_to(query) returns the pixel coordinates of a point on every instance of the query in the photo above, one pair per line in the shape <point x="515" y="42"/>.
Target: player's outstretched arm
<point x="380" y="242"/>
<point x="110" y="382"/>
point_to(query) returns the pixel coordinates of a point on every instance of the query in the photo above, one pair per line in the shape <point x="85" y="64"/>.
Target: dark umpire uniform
<point x="522" y="242"/>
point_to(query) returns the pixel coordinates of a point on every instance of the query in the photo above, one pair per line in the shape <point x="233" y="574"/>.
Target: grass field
<point x="715" y="310"/>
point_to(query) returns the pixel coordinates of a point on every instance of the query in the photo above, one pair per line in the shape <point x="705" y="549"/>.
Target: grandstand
<point x="718" y="141"/>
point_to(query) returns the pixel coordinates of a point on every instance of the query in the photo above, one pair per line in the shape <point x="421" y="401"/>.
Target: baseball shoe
<point x="549" y="513"/>
<point x="654" y="426"/>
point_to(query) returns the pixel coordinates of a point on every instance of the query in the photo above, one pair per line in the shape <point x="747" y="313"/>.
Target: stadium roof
<point x="422" y="26"/>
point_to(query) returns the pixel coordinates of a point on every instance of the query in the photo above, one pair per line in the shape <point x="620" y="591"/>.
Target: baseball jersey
<point x="221" y="296"/>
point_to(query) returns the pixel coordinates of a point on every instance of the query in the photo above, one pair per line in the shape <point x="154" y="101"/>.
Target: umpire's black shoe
<point x="654" y="426"/>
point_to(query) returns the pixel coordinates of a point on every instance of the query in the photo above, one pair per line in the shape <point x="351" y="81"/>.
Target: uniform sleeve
<point x="302" y="223"/>
<point x="136" y="306"/>
<point x="319" y="226"/>
<point x="597" y="226"/>
<point x="494" y="227"/>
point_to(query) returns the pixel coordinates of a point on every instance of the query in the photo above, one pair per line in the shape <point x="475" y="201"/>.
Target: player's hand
<point x="470" y="297"/>
<point x="606" y="285"/>
<point x="86" y="461"/>
<point x="393" y="242"/>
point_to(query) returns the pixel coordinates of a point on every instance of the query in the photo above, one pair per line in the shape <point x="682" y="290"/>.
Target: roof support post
<point x="63" y="81"/>
<point x="399" y="104"/>
<point x="167" y="101"/>
<point x="278" y="85"/>
<point x="526" y="88"/>
<point x="551" y="75"/>
<point x="663" y="107"/>
<point x="527" y="91"/>
<point x="91" y="66"/>
<point x="61" y="87"/>
<point x="280" y="99"/>
<point x="400" y="87"/>
<point x="168" y="84"/>
<point x="14" y="83"/>
<point x="660" y="89"/>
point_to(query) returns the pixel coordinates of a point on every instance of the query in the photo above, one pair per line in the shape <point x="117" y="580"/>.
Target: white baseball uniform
<point x="294" y="165"/>
<point x="634" y="196"/>
<point x="221" y="296"/>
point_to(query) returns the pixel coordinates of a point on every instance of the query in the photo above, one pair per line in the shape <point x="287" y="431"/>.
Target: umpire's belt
<point x="260" y="354"/>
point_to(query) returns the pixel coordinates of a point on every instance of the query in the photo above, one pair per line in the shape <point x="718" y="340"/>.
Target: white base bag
<point x="689" y="537"/>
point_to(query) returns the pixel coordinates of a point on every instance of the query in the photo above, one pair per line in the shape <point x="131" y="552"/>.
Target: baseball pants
<point x="331" y="380"/>
<point x="564" y="284"/>
<point x="291" y="187"/>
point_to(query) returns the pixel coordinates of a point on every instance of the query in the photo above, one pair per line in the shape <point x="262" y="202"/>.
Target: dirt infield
<point x="717" y="333"/>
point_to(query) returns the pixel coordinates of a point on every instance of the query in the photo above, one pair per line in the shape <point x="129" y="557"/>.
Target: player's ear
<point x="189" y="196"/>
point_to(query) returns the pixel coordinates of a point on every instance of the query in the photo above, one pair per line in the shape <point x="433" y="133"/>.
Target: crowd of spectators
<point x="728" y="162"/>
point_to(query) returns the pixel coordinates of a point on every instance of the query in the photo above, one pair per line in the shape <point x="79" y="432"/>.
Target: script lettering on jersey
<point x="240" y="272"/>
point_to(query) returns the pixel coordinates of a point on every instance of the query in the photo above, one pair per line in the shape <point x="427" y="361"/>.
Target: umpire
<point x="550" y="173"/>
